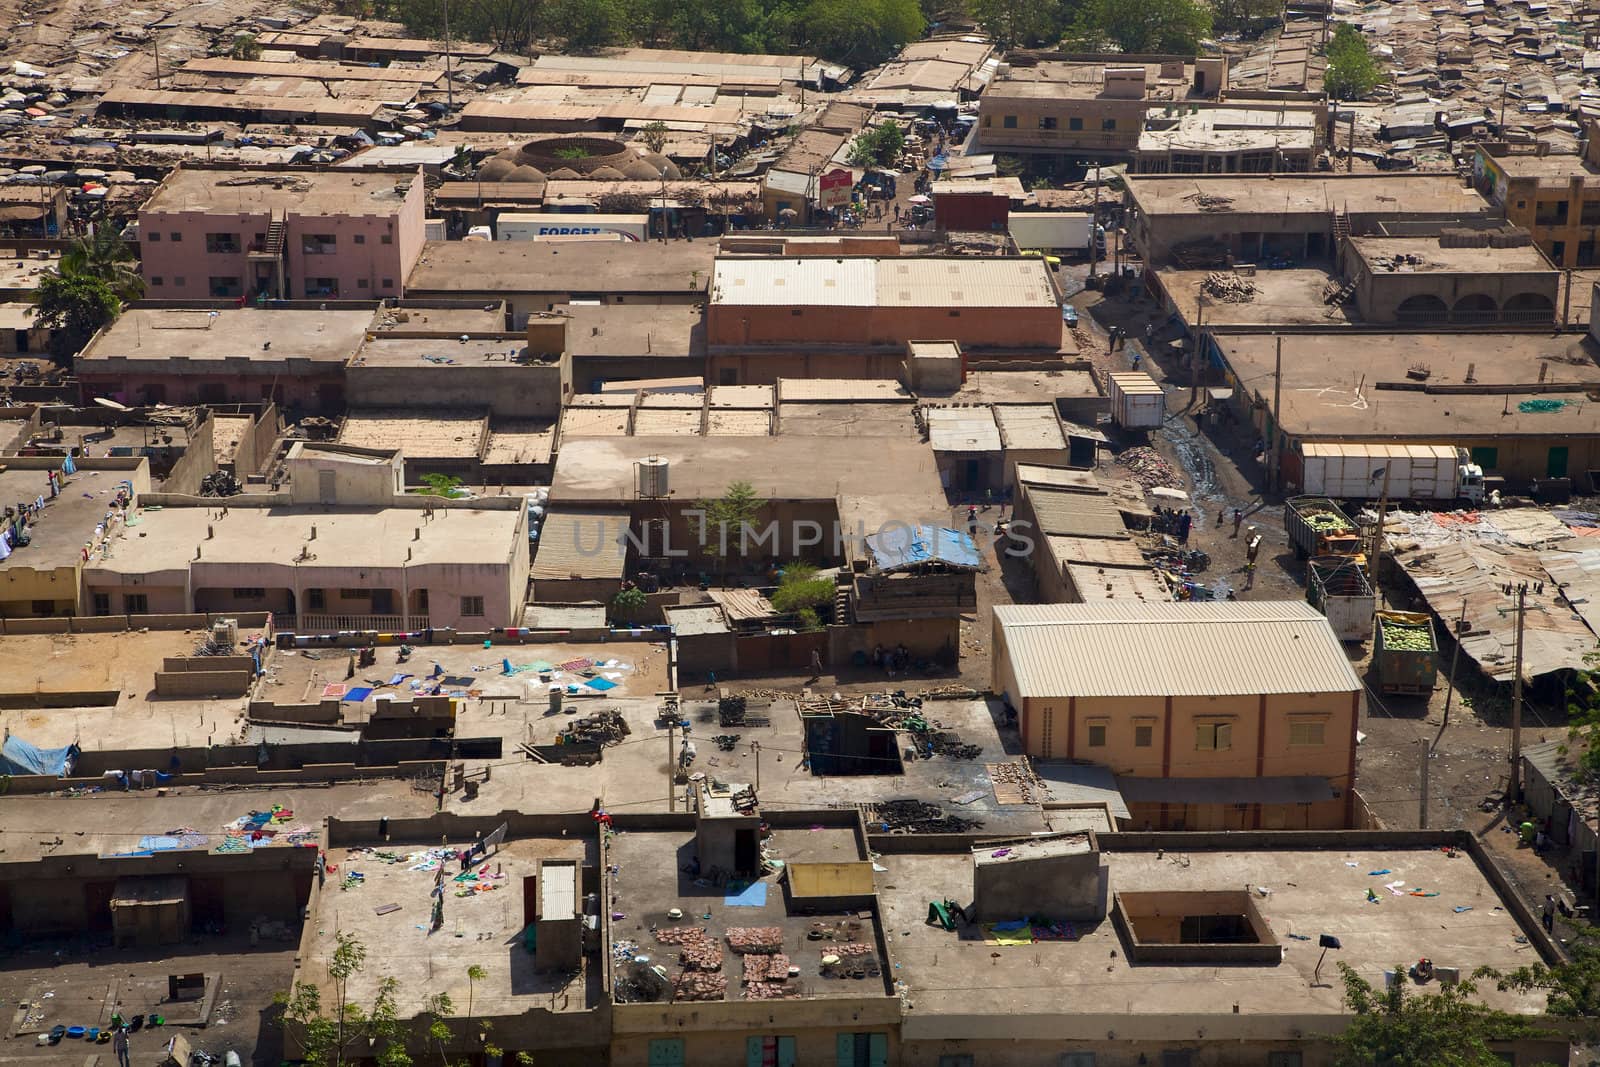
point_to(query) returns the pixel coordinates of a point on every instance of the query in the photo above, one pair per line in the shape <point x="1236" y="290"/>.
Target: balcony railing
<point x="319" y="623"/>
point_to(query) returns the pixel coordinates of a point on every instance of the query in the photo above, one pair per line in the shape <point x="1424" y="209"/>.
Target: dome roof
<point x="565" y="174"/>
<point x="525" y="173"/>
<point x="607" y="174"/>
<point x="640" y="171"/>
<point x="667" y="167"/>
<point x="495" y="169"/>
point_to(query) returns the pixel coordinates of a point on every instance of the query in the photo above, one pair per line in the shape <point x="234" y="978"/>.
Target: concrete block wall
<point x="203" y="683"/>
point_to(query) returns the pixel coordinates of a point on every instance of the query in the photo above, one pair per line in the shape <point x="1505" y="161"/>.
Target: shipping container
<point x="1362" y="471"/>
<point x="1337" y="586"/>
<point x="1405" y="653"/>
<point x="534" y="225"/>
<point x="1053" y="231"/>
<point x="1317" y="527"/>
<point x="1137" y="402"/>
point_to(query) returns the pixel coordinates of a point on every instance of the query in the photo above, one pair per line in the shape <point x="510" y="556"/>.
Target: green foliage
<point x="572" y="152"/>
<point x="1352" y="72"/>
<point x="74" y="306"/>
<point x="1021" y="23"/>
<point x="1399" y="1027"/>
<point x="654" y="135"/>
<point x="509" y="25"/>
<point x="324" y="1037"/>
<point x="809" y="620"/>
<point x="859" y="32"/>
<point x="877" y="146"/>
<point x="727" y="524"/>
<point x="438" y="485"/>
<point x="801" y="590"/>
<point x="439" y="1007"/>
<point x="244" y="47"/>
<point x="1571" y="988"/>
<point x="1245" y="16"/>
<point x="1148" y="26"/>
<point x="105" y="255"/>
<point x="627" y="604"/>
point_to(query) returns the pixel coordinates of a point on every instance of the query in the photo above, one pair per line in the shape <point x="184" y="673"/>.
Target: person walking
<point x="816" y="665"/>
<point x="119" y="1044"/>
<point x="1548" y="916"/>
<point x="1238" y="520"/>
<point x="1185" y="521"/>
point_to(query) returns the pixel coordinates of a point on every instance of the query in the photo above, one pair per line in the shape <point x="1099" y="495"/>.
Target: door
<point x="1556" y="465"/>
<point x="530" y="899"/>
<point x="769" y="1052"/>
<point x="206" y="898"/>
<point x="971" y="481"/>
<point x="666" y="1052"/>
<point x="327" y="487"/>
<point x="745" y="852"/>
<point x="97" y="904"/>
<point x="383" y="602"/>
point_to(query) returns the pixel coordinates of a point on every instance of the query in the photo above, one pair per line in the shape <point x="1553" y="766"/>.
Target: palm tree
<point x="106" y="256"/>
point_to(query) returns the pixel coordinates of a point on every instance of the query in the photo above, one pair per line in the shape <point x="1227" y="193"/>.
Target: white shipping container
<point x="1360" y="471"/>
<point x="1137" y="402"/>
<point x="537" y="225"/>
<point x="1052" y="231"/>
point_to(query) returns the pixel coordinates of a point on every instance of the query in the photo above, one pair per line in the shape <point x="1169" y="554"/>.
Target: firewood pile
<point x="1228" y="288"/>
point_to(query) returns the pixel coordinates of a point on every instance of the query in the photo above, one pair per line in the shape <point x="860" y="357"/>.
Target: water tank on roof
<point x="653" y="480"/>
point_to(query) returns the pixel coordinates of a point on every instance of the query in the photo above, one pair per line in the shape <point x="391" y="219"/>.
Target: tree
<point x="244" y="47"/>
<point x="1019" y="23"/>
<point x="106" y="256"/>
<point x="727" y="523"/>
<point x="1571" y="988"/>
<point x="877" y="146"/>
<point x="445" y="485"/>
<point x="323" y="1039"/>
<point x="586" y="24"/>
<point x="438" y="1008"/>
<point x="654" y="135"/>
<point x="1245" y="16"/>
<point x="1400" y="1028"/>
<point x="1144" y="26"/>
<point x="475" y="974"/>
<point x="1352" y="72"/>
<point x="74" y="306"/>
<point x="861" y="33"/>
<point x="801" y="590"/>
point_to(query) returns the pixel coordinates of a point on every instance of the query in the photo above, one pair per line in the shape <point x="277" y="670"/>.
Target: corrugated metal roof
<point x="1029" y="426"/>
<point x="1129" y="648"/>
<point x="941" y="282"/>
<point x="1061" y="511"/>
<point x="1099" y="551"/>
<point x="963" y="430"/>
<point x="1317" y="449"/>
<point x="575" y="543"/>
<point x="1097" y="583"/>
<point x="1061" y="477"/>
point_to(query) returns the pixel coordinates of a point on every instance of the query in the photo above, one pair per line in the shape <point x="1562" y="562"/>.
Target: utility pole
<point x="158" y="57"/>
<point x="1516" y="703"/>
<point x="1273" y="446"/>
<point x="672" y="768"/>
<point x="1449" y="694"/>
<point x="449" y="78"/>
<point x="1350" y="146"/>
<point x="1376" y="556"/>
<point x="1566" y="298"/>
<point x="756" y="747"/>
<point x="1199" y="348"/>
<point x="1505" y="84"/>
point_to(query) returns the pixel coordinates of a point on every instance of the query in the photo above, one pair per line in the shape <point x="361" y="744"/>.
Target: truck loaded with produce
<point x="1317" y="527"/>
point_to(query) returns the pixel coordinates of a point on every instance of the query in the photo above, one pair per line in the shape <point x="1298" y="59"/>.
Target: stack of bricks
<point x="703" y="955"/>
<point x="761" y="968"/>
<point x="681" y="935"/>
<point x="851" y="948"/>
<point x="764" y="939"/>
<point x="694" y="985"/>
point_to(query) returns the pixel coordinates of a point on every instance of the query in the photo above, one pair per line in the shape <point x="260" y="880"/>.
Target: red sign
<point x="833" y="188"/>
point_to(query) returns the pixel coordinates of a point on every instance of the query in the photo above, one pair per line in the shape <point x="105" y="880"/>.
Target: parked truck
<point x="1337" y="586"/>
<point x="1405" y="653"/>
<point x="1137" y="402"/>
<point x="1361" y="471"/>
<point x="1317" y="527"/>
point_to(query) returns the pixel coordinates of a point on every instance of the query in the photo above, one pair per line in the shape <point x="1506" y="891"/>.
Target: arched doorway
<point x="1424" y="307"/>
<point x="1475" y="307"/>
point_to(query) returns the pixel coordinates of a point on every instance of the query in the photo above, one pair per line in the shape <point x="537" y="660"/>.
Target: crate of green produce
<point x="1405" y="655"/>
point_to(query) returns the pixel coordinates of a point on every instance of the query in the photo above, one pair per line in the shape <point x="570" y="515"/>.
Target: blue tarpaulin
<point x="900" y="547"/>
<point x="19" y="757"/>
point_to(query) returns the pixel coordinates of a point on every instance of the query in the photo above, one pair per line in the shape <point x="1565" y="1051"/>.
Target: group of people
<point x="893" y="661"/>
<point x="1175" y="521"/>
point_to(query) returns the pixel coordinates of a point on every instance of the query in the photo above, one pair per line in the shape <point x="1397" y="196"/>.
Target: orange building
<point x="1213" y="716"/>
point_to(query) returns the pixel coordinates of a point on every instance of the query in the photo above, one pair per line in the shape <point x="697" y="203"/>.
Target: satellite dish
<point x="107" y="402"/>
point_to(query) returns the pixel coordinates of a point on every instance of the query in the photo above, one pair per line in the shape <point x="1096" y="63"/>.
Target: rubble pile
<point x="1229" y="288"/>
<point x="917" y="817"/>
<point x="1149" y="468"/>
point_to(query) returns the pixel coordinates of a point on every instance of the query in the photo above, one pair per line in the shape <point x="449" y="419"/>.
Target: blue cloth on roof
<point x="357" y="694"/>
<point x="19" y="757"/>
<point x="600" y="683"/>
<point x="753" y="895"/>
<point x="899" y="547"/>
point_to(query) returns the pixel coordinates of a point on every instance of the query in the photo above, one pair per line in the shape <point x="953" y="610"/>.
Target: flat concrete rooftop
<point x="1380" y="252"/>
<point x="483" y="923"/>
<point x="1331" y="384"/>
<point x="1526" y="165"/>
<point x="17" y="272"/>
<point x="635" y="329"/>
<point x="67" y="522"/>
<point x="558" y="267"/>
<point x="956" y="988"/>
<point x="1282" y="297"/>
<point x="312" y="193"/>
<point x="423" y="433"/>
<point x="1389" y="194"/>
<point x="449" y="321"/>
<point x="255" y="334"/>
<point x="107" y="664"/>
<point x="443" y="353"/>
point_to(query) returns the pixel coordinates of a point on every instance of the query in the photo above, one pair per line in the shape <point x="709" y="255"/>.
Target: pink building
<point x="281" y="235"/>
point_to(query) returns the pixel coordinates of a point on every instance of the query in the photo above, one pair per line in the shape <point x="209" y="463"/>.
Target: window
<point x="796" y="311"/>
<point x="769" y="1052"/>
<point x="1108" y="124"/>
<point x="986" y="122"/>
<point x="361" y="283"/>
<point x="135" y="604"/>
<point x="1097" y="735"/>
<point x="174" y="236"/>
<point x="322" y="287"/>
<point x="388" y="283"/>
<point x="1487" y="458"/>
<point x="158" y="280"/>
<point x="1075" y="123"/>
<point x="862" y="1050"/>
<point x="1213" y="736"/>
<point x="1284" y="1059"/>
<point x="1009" y="122"/>
<point x="1306" y="733"/>
<point x="472" y="606"/>
<point x="1591" y="213"/>
<point x="225" y="286"/>
<point x="360" y="238"/>
<point x="154" y="238"/>
<point x="386" y="239"/>
<point x="44" y="607"/>
<point x="1179" y="1057"/>
<point x="212" y="393"/>
<point x="958" y="1059"/>
<point x="316" y="600"/>
<point x="102" y="603"/>
<point x="319" y="244"/>
<point x="1047" y="122"/>
<point x="180" y="280"/>
<point x="249" y="593"/>
<point x="1550" y="212"/>
<point x="1143" y="736"/>
<point x="355" y="594"/>
<point x="422" y="599"/>
<point x="222" y="243"/>
<point x="1077" y="1059"/>
<point x="666" y="1052"/>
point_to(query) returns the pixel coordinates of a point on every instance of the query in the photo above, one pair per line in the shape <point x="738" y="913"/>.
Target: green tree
<point x="244" y="47"/>
<point x="654" y="135"/>
<point x="877" y="146"/>
<point x="1143" y="26"/>
<point x="438" y="1008"/>
<point x="1245" y="16"/>
<point x="627" y="603"/>
<point x="1021" y="24"/>
<point x="323" y="1039"/>
<point x="1352" y="72"/>
<point x="801" y="590"/>
<point x="586" y="24"/>
<point x="74" y="306"/>
<point x="861" y="33"/>
<point x="106" y="256"/>
<point x="727" y="524"/>
<point x="1397" y="1027"/>
<point x="444" y="485"/>
<point x="1571" y="988"/>
<point x="475" y="974"/>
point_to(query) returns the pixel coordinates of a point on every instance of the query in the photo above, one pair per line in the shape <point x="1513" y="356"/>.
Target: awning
<point x="1089" y="433"/>
<point x="1285" y="790"/>
<point x="1081" y="783"/>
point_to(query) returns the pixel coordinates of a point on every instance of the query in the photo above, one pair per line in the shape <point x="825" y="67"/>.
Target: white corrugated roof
<point x="812" y="282"/>
<point x="581" y="543"/>
<point x="963" y="430"/>
<point x="931" y="282"/>
<point x="1129" y="648"/>
<point x="1029" y="426"/>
